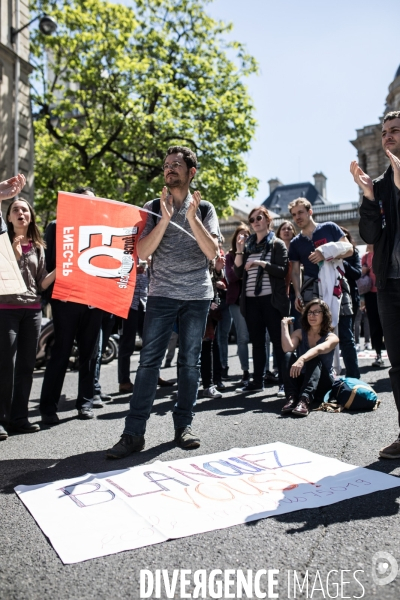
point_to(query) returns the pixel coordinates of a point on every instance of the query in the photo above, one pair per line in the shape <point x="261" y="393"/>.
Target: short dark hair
<point x="188" y="155"/>
<point x="394" y="114"/>
<point x="326" y="325"/>
<point x="82" y="189"/>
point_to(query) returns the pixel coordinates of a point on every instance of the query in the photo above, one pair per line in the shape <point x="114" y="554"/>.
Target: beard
<point x="173" y="180"/>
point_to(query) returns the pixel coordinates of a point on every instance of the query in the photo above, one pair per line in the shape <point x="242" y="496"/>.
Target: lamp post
<point x="47" y="26"/>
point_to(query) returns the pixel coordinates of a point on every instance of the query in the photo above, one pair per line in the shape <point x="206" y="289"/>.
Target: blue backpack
<point x="348" y="393"/>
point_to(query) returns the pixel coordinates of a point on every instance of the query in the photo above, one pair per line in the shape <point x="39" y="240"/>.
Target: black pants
<point x="71" y="321"/>
<point x="314" y="383"/>
<point x="19" y="334"/>
<point x="130" y="326"/>
<point x="210" y="363"/>
<point x="375" y="327"/>
<point x="261" y="315"/>
<point x="389" y="312"/>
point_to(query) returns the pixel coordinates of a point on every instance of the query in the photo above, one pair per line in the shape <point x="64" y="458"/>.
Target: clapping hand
<point x="363" y="180"/>
<point x="11" y="187"/>
<point x="395" y="162"/>
<point x="240" y="242"/>
<point x="254" y="263"/>
<point x="16" y="245"/>
<point x="220" y="263"/>
<point x="166" y="203"/>
<point x="193" y="206"/>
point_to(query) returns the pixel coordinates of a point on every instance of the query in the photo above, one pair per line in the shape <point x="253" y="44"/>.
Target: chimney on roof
<point x="320" y="183"/>
<point x="273" y="184"/>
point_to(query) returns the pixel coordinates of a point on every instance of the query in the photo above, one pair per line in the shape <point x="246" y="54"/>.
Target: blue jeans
<point x="242" y="336"/>
<point x="161" y="314"/>
<point x="347" y="346"/>
<point x="223" y="329"/>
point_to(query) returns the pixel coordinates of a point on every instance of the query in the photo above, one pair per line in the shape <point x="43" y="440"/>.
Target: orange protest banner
<point x="96" y="254"/>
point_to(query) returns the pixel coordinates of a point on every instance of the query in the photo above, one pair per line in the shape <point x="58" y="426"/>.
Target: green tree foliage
<point x="115" y="86"/>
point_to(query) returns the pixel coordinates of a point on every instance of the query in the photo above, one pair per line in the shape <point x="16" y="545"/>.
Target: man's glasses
<point x="171" y="166"/>
<point x="314" y="313"/>
<point x="257" y="218"/>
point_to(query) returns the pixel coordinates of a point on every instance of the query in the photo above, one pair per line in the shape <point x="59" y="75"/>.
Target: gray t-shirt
<point x="179" y="268"/>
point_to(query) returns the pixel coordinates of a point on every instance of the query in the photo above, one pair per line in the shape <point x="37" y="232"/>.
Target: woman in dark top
<point x="233" y="293"/>
<point x="308" y="372"/>
<point x="262" y="262"/>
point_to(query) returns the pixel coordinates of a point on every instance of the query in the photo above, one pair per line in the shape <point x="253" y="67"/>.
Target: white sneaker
<point x="281" y="392"/>
<point x="368" y="347"/>
<point x="211" y="392"/>
<point x="358" y="348"/>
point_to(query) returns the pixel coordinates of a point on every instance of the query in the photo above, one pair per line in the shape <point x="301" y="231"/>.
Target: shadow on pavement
<point x="35" y="472"/>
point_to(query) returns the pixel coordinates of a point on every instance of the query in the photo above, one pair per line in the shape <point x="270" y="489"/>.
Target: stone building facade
<point x="371" y="156"/>
<point x="8" y="56"/>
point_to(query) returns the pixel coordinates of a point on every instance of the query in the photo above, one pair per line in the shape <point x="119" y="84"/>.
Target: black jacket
<point x="352" y="270"/>
<point x="277" y="270"/>
<point x="371" y="225"/>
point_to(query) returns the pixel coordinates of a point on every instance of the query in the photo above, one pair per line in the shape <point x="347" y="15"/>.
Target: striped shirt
<point x="252" y="276"/>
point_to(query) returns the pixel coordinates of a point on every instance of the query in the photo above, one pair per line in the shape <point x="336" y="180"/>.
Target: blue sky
<point x="325" y="68"/>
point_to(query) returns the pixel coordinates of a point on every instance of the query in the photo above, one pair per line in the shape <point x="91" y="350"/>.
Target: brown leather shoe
<point x="291" y="402"/>
<point x="164" y="382"/>
<point x="302" y="408"/>
<point x="392" y="451"/>
<point x="125" y="388"/>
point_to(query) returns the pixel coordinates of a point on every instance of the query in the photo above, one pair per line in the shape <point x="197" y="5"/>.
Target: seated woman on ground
<point x="308" y="362"/>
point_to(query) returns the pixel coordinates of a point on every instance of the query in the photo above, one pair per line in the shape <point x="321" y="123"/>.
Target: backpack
<point x="348" y="393"/>
<point x="156" y="208"/>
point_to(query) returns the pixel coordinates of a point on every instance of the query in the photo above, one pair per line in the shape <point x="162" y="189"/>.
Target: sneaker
<point x="126" y="388"/>
<point x="392" y="451"/>
<point x="85" y="413"/>
<point x="50" y="419"/>
<point x="3" y="433"/>
<point x="185" y="438"/>
<point x="245" y="378"/>
<point x="23" y="426"/>
<point x="126" y="446"/>
<point x="291" y="403"/>
<point x="105" y="397"/>
<point x="358" y="348"/>
<point x="250" y="388"/>
<point x="378" y="362"/>
<point x="167" y="364"/>
<point x="271" y="377"/>
<point x="224" y="373"/>
<point x="302" y="407"/>
<point x="97" y="402"/>
<point x="211" y="392"/>
<point x="220" y="385"/>
<point x="368" y="346"/>
<point x="164" y="382"/>
<point x="281" y="392"/>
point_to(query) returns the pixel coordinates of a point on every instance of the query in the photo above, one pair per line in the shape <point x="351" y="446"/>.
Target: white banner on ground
<point x="96" y="515"/>
<point x="11" y="281"/>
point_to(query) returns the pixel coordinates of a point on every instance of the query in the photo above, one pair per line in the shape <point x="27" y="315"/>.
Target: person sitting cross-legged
<point x="309" y="352"/>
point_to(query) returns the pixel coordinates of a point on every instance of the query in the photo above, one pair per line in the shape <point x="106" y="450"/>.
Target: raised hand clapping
<point x="11" y="187"/>
<point x="363" y="180"/>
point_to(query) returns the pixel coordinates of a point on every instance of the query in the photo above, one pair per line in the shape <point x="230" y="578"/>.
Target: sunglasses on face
<point x="314" y="313"/>
<point x="257" y="218"/>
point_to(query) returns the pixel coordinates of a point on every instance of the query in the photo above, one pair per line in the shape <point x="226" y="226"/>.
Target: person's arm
<point x="11" y="187"/>
<point x="353" y="269"/>
<point x="370" y="225"/>
<point x="148" y="244"/>
<point x="229" y="268"/>
<point x="330" y="343"/>
<point x="207" y="242"/>
<point x="280" y="267"/>
<point x="48" y="280"/>
<point x="289" y="341"/>
<point x="299" y="305"/>
<point x="238" y="265"/>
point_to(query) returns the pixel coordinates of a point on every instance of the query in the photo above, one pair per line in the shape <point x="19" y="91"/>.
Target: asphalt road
<point x="340" y="537"/>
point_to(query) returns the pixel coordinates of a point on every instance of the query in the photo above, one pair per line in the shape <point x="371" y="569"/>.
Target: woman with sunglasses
<point x="308" y="358"/>
<point x="20" y="314"/>
<point x="262" y="262"/>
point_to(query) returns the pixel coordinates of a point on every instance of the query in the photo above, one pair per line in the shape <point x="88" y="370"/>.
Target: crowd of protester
<point x="301" y="291"/>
